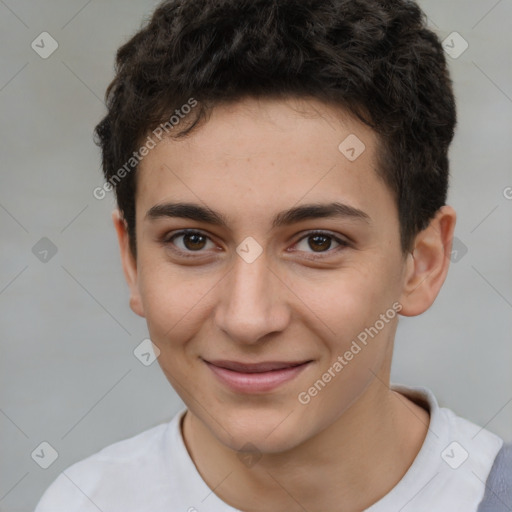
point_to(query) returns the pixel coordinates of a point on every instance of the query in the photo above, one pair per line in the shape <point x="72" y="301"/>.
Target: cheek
<point x="344" y="302"/>
<point x="355" y="354"/>
<point x="172" y="301"/>
<point x="349" y="306"/>
<point x="174" y="313"/>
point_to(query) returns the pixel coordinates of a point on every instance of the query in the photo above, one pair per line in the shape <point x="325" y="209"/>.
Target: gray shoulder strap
<point x="498" y="488"/>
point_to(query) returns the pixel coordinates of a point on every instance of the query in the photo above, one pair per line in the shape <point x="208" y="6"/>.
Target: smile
<point x="255" y="377"/>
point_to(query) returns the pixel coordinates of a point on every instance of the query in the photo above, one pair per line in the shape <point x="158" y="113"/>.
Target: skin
<point x="354" y="441"/>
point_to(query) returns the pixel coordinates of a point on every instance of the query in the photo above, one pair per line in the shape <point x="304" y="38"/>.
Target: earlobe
<point x="128" y="262"/>
<point x="427" y="265"/>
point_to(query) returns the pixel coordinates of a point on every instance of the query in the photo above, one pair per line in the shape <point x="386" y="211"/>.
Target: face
<point x="250" y="293"/>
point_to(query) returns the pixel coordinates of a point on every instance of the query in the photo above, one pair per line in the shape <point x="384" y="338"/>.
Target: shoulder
<point x="498" y="492"/>
<point x="113" y="470"/>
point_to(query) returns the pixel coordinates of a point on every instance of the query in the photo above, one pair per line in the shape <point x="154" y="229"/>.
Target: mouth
<point x="255" y="377"/>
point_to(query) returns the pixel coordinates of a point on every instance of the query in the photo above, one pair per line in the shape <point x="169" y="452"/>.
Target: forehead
<point x="260" y="155"/>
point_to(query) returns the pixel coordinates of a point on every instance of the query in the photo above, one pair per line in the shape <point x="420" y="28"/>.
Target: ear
<point x="427" y="265"/>
<point x="129" y="262"/>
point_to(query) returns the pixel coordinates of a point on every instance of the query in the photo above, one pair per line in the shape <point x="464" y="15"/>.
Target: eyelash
<point x="168" y="241"/>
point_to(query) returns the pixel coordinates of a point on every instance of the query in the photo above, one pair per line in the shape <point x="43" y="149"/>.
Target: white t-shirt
<point x="153" y="472"/>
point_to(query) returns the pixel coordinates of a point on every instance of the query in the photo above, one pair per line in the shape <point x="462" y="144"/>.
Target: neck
<point x="356" y="461"/>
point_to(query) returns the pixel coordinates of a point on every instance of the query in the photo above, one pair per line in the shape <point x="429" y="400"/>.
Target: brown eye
<point x="194" y="241"/>
<point x="188" y="242"/>
<point x="320" y="243"/>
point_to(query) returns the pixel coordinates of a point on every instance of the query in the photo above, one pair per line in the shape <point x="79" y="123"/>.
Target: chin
<point x="269" y="430"/>
<point x="254" y="439"/>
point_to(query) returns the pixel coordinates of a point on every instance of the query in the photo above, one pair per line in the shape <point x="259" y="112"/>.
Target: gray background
<point x="67" y="368"/>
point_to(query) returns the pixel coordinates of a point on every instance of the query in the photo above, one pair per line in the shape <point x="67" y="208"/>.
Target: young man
<point x="281" y="172"/>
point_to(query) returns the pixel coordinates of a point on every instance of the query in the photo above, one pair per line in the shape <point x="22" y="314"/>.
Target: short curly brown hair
<point x="375" y="58"/>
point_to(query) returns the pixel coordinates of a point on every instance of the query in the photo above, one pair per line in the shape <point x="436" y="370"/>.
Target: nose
<point x="253" y="302"/>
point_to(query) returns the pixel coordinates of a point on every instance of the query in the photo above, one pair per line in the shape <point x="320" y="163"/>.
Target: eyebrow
<point x="284" y="218"/>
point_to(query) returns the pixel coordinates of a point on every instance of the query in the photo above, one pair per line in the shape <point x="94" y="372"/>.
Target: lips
<point x="255" y="367"/>
<point x="259" y="378"/>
